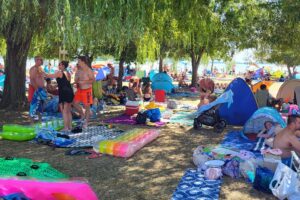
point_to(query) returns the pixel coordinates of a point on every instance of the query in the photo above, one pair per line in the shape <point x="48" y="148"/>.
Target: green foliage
<point x="280" y="42"/>
<point x="2" y="47"/>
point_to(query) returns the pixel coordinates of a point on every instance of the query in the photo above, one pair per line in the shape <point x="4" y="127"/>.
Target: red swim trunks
<point x="84" y="96"/>
<point x="31" y="91"/>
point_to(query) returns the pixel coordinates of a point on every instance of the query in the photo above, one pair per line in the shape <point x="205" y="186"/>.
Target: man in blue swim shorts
<point x="287" y="140"/>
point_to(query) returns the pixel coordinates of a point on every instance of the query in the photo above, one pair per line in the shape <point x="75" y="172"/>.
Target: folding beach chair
<point x="295" y="163"/>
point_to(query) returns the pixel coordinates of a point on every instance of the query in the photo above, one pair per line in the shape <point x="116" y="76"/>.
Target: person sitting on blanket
<point x="266" y="136"/>
<point x="286" y="140"/>
<point x="51" y="89"/>
<point x="111" y="94"/>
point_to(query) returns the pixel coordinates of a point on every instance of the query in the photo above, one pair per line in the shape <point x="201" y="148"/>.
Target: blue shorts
<point x="287" y="161"/>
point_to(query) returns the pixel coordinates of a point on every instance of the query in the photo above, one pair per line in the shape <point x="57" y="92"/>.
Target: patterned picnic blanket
<point x="194" y="186"/>
<point x="87" y="138"/>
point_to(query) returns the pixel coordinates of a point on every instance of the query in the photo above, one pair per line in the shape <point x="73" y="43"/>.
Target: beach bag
<point x="213" y="173"/>
<point x="285" y="183"/>
<point x="141" y="118"/>
<point x="248" y="168"/>
<point x="154" y="114"/>
<point x="231" y="168"/>
<point x="263" y="178"/>
<point x="199" y="158"/>
<point x="172" y="104"/>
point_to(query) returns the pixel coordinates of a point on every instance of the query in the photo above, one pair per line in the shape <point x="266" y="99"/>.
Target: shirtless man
<point x="36" y="93"/>
<point x="287" y="140"/>
<point x="84" y="79"/>
<point x="36" y="76"/>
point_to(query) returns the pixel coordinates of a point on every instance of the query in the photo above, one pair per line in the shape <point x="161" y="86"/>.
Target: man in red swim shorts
<point x="84" y="79"/>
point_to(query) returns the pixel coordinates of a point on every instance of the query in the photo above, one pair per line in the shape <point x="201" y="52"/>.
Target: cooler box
<point x="160" y="95"/>
<point x="132" y="107"/>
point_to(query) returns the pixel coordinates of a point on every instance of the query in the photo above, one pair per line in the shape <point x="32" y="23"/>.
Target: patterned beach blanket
<point x="194" y="186"/>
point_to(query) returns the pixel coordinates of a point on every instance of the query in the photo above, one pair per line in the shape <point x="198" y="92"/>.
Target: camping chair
<point x="295" y="163"/>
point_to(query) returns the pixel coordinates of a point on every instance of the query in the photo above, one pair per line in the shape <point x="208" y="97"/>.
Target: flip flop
<point x="77" y="152"/>
<point x="94" y="154"/>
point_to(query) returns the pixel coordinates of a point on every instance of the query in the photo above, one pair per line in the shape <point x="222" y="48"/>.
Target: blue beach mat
<point x="194" y="186"/>
<point x="235" y="140"/>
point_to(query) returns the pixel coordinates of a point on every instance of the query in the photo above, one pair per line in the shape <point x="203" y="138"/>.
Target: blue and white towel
<point x="36" y="105"/>
<point x="194" y="186"/>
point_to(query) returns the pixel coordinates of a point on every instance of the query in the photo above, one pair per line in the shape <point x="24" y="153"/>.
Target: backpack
<point x="154" y="114"/>
<point x="141" y="118"/>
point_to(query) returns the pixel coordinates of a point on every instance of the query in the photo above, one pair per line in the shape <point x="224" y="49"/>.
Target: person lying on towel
<point x="286" y="140"/>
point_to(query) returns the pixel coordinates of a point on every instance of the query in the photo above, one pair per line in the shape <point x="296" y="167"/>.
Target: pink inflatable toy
<point x="39" y="190"/>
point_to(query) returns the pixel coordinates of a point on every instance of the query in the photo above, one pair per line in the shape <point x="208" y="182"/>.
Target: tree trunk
<point x="14" y="95"/>
<point x="195" y="65"/>
<point x="290" y="73"/>
<point x="121" y="70"/>
<point x="161" y="62"/>
<point x="212" y="66"/>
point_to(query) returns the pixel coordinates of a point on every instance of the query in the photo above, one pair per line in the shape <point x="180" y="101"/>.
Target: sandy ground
<point x="152" y="173"/>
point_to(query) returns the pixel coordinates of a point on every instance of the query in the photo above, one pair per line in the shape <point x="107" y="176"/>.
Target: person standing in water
<point x="65" y="93"/>
<point x="84" y="79"/>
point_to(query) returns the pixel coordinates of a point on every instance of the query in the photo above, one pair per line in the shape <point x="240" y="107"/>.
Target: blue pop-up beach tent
<point x="2" y="79"/>
<point x="162" y="81"/>
<point x="242" y="106"/>
<point x="256" y="122"/>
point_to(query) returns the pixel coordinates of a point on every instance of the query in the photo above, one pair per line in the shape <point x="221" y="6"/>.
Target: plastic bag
<point x="213" y="173"/>
<point x="172" y="104"/>
<point x="199" y="158"/>
<point x="285" y="183"/>
<point x="248" y="168"/>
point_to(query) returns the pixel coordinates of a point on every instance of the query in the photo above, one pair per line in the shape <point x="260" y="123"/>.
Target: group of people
<point x="137" y="89"/>
<point x="286" y="139"/>
<point x="84" y="79"/>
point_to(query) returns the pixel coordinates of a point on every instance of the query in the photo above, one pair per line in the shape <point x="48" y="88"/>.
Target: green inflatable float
<point x="18" y="132"/>
<point x="24" y="133"/>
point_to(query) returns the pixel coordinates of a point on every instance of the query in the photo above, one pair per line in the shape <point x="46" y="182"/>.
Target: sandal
<point x="94" y="155"/>
<point x="77" y="152"/>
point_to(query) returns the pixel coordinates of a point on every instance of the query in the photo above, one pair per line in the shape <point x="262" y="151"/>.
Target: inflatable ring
<point x="18" y="136"/>
<point x="17" y="128"/>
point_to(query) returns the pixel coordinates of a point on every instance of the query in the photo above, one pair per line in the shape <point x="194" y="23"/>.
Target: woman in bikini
<point x="65" y="93"/>
<point x="147" y="92"/>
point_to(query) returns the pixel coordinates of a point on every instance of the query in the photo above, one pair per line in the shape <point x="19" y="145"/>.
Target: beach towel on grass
<point x="183" y="94"/>
<point x="36" y="105"/>
<point x="126" y="119"/>
<point x="194" y="186"/>
<point x="183" y="118"/>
